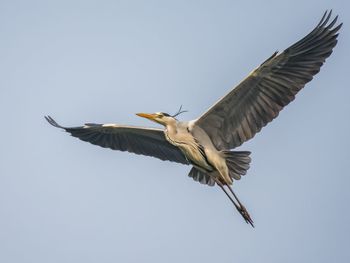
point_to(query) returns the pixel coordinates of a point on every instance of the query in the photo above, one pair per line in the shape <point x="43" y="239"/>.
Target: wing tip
<point x="324" y="22"/>
<point x="53" y="122"/>
<point x="326" y="16"/>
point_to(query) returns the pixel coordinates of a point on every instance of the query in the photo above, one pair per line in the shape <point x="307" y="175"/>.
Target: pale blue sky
<point x="64" y="200"/>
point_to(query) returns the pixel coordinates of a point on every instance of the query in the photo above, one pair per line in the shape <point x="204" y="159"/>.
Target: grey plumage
<point x="205" y="143"/>
<point x="138" y="140"/>
<point x="260" y="97"/>
<point x="201" y="177"/>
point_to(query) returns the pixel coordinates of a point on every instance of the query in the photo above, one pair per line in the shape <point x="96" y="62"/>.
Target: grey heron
<point x="206" y="143"/>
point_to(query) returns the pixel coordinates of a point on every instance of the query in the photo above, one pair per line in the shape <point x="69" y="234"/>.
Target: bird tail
<point x="237" y="163"/>
<point x="201" y="177"/>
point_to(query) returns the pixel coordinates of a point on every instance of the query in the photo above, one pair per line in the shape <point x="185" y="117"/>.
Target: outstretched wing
<point x="145" y="141"/>
<point x="260" y="97"/>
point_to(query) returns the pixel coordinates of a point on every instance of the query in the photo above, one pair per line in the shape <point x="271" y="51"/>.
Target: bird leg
<point x="233" y="202"/>
<point x="243" y="210"/>
<point x="240" y="208"/>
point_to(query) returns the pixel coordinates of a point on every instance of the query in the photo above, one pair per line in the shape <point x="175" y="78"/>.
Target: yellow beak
<point x="147" y="116"/>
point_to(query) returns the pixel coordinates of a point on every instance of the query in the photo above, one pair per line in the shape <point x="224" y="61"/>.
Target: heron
<point x="207" y="143"/>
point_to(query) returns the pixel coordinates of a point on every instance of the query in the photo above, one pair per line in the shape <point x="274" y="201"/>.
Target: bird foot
<point x="246" y="215"/>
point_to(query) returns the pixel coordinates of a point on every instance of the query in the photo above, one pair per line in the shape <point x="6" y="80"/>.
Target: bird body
<point x="198" y="149"/>
<point x="206" y="142"/>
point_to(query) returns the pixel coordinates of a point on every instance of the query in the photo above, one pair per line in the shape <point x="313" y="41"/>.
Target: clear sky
<point x="64" y="200"/>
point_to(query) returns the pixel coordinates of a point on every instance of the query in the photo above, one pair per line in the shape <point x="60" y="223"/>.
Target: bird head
<point x="158" y="117"/>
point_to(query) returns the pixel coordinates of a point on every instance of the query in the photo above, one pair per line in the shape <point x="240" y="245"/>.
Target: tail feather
<point x="201" y="177"/>
<point x="237" y="163"/>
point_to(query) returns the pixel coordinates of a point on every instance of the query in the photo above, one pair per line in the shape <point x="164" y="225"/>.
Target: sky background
<point x="64" y="200"/>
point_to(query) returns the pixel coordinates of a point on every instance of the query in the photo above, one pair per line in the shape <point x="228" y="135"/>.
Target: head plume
<point x="180" y="111"/>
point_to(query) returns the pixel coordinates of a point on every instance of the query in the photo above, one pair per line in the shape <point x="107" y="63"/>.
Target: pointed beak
<point x="147" y="116"/>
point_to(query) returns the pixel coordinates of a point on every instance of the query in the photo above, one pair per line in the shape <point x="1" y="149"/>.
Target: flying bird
<point x="206" y="143"/>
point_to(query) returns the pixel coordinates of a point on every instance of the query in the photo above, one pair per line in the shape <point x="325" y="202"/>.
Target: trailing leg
<point x="240" y="208"/>
<point x="243" y="210"/>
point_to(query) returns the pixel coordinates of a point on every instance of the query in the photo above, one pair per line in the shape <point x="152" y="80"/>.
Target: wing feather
<point x="145" y="141"/>
<point x="259" y="98"/>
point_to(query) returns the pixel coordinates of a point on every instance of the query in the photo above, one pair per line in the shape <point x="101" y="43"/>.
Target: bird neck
<point x="171" y="127"/>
